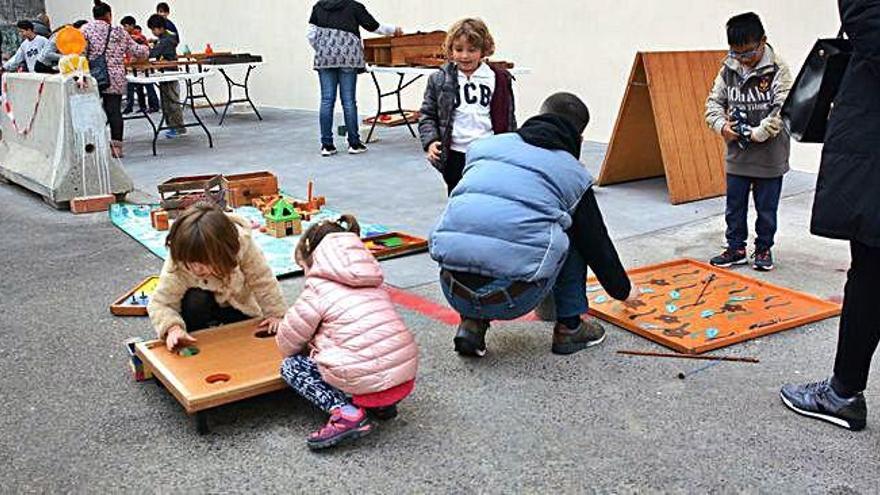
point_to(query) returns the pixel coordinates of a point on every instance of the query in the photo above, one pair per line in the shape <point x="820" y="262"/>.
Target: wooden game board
<point x="394" y="244"/>
<point x="233" y="362"/>
<point x="390" y="120"/>
<point x="134" y="302"/>
<point x="693" y="307"/>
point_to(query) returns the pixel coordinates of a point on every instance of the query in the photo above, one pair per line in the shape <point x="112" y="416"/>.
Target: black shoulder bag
<point x="808" y="106"/>
<point x="98" y="66"/>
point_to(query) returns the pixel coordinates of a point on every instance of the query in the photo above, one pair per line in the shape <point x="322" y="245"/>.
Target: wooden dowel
<point x="690" y="356"/>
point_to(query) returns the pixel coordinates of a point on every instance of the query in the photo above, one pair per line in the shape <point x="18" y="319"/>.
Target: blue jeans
<point x="153" y="100"/>
<point x="766" y="193"/>
<point x="346" y="82"/>
<point x="568" y="287"/>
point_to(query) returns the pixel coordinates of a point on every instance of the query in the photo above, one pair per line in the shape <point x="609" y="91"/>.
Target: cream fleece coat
<point x="252" y="288"/>
<point x="356" y="337"/>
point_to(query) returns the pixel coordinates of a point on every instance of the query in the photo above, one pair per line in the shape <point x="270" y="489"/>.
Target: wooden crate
<point x="242" y="189"/>
<point x="234" y="362"/>
<point x="377" y="51"/>
<point x="400" y="245"/>
<point x="178" y="193"/>
<point x="660" y="128"/>
<point x="417" y="45"/>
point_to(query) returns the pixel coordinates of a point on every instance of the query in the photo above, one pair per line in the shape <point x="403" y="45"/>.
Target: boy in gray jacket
<point x="744" y="108"/>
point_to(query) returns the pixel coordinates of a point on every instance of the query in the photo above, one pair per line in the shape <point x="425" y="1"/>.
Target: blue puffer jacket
<point x="507" y="217"/>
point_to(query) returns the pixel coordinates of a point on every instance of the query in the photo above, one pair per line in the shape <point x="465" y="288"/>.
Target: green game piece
<point x="188" y="351"/>
<point x="392" y="242"/>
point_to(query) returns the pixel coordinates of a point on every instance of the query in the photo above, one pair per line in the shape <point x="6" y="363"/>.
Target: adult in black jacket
<point x="847" y="206"/>
<point x="334" y="33"/>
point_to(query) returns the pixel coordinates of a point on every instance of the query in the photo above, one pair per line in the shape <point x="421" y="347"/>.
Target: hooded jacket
<point x="251" y="288"/>
<point x="507" y="218"/>
<point x="334" y="33"/>
<point x="438" y="108"/>
<point x="847" y="204"/>
<point x="348" y="322"/>
<point x="761" y="93"/>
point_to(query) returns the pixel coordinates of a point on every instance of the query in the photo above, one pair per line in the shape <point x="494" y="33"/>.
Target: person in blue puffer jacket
<point x="522" y="223"/>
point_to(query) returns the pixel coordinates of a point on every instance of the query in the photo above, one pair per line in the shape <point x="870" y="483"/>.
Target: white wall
<point x="583" y="46"/>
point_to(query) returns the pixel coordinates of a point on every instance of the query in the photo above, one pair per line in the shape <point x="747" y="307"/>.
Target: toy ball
<point x="70" y="40"/>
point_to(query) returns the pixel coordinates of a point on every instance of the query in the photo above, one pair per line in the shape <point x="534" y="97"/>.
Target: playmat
<point x="134" y="220"/>
<point x="693" y="307"/>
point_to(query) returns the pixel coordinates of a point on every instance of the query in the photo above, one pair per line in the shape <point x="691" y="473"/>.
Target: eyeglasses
<point x="746" y="54"/>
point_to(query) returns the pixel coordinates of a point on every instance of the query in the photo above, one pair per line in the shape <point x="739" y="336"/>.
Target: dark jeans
<point x="345" y="82"/>
<point x="766" y="193"/>
<point x="200" y="310"/>
<point x="113" y="109"/>
<point x="859" y="327"/>
<point x="150" y="99"/>
<point x="454" y="169"/>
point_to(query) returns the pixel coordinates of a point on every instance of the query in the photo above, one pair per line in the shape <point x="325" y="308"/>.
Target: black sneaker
<point x="470" y="340"/>
<point x="357" y="149"/>
<point x="763" y="260"/>
<point x="127" y="110"/>
<point x="820" y="401"/>
<point x="383" y="413"/>
<point x="729" y="258"/>
<point x="568" y="341"/>
<point x="328" y="150"/>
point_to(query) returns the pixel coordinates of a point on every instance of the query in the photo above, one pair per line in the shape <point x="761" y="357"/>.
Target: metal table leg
<point x="245" y="85"/>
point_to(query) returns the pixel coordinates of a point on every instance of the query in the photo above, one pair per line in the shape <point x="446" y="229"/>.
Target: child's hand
<point x="728" y="133"/>
<point x="177" y="338"/>
<point x="271" y="324"/>
<point x="434" y="152"/>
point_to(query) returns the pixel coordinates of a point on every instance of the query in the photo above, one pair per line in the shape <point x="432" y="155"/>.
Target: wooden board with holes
<point x="232" y="363"/>
<point x="660" y="128"/>
<point x="394" y="244"/>
<point x="693" y="307"/>
<point x="134" y="302"/>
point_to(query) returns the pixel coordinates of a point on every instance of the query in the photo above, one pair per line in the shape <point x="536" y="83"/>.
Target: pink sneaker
<point x="340" y="428"/>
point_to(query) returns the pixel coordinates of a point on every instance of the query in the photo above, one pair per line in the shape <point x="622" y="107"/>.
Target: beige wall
<point x="582" y="46"/>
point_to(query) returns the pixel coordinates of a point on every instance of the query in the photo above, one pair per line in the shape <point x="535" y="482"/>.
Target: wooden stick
<point x="690" y="356"/>
<point x="311" y="186"/>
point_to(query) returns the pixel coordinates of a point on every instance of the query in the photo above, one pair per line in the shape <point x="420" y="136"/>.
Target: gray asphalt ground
<point x="520" y="420"/>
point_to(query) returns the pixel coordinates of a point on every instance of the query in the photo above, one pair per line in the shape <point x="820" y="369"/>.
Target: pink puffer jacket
<point x="358" y="340"/>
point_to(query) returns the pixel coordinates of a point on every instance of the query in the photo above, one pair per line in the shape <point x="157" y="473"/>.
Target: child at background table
<point x="165" y="49"/>
<point x="215" y="275"/>
<point x="347" y="350"/>
<point x="465" y="100"/>
<point x="130" y="25"/>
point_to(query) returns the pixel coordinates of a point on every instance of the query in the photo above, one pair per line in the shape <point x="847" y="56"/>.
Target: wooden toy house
<point x="282" y="219"/>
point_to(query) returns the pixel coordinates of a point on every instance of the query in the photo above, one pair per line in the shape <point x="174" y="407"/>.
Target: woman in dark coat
<point x="847" y="206"/>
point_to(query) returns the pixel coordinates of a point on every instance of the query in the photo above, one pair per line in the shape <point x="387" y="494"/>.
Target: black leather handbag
<point x="808" y="106"/>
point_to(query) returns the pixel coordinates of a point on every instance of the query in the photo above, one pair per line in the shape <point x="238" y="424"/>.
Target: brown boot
<point x="587" y="334"/>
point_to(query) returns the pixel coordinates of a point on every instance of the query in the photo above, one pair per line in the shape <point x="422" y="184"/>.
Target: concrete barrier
<point x="59" y="149"/>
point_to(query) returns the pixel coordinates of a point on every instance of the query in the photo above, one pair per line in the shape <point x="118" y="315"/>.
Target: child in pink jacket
<point x="347" y="350"/>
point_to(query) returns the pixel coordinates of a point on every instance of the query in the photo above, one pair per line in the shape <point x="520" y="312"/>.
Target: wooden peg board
<point x="674" y="310"/>
<point x="394" y="244"/>
<point x="232" y="364"/>
<point x="125" y="306"/>
<point x="660" y="129"/>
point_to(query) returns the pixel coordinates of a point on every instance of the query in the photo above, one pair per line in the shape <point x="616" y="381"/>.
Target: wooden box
<point x="134" y="302"/>
<point x="377" y="51"/>
<point x="417" y="45"/>
<point x="178" y="193"/>
<point x="242" y="189"/>
<point x="394" y="244"/>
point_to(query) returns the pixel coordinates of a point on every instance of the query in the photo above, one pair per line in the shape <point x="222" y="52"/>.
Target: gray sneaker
<point x="567" y="341"/>
<point x="820" y="401"/>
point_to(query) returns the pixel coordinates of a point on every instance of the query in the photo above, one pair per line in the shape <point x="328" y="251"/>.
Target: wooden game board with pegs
<point x="693" y="307"/>
<point x="226" y="364"/>
<point x="394" y="244"/>
<point x="134" y="302"/>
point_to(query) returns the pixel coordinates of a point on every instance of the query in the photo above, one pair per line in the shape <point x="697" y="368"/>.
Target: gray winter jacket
<point x="441" y="98"/>
<point x="761" y="93"/>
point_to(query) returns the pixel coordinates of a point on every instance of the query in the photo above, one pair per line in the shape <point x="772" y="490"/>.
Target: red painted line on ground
<point x="431" y="309"/>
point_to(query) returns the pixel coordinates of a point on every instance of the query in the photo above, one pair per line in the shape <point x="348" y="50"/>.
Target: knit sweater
<point x="251" y="288"/>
